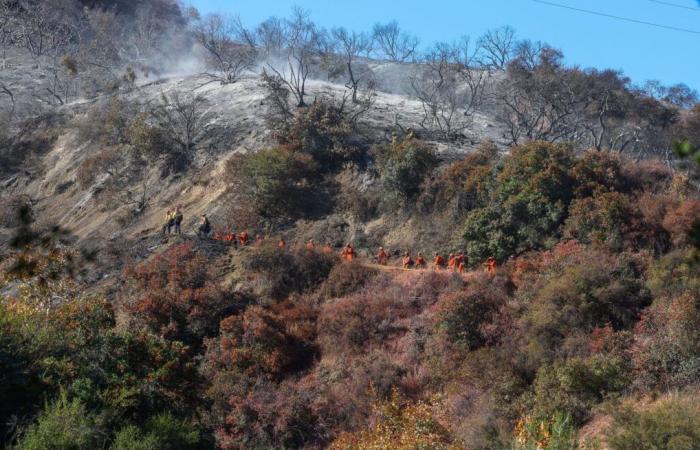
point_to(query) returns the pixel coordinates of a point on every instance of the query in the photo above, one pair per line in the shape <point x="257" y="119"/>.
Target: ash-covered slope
<point x="236" y="123"/>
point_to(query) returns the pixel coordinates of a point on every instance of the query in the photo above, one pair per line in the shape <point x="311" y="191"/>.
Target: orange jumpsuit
<point x="281" y="244"/>
<point x="420" y="262"/>
<point x="243" y="238"/>
<point x="438" y="262"/>
<point x="490" y="266"/>
<point x="382" y="257"/>
<point x="462" y="268"/>
<point x="451" y="263"/>
<point x="348" y="254"/>
<point x="407" y="262"/>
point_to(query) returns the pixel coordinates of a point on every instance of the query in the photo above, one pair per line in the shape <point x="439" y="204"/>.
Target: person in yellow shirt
<point x="169" y="221"/>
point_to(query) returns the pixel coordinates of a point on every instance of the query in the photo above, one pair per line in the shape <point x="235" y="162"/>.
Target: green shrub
<point x="463" y="317"/>
<point x="555" y="433"/>
<point x="538" y="167"/>
<point x="62" y="425"/>
<point x="573" y="387"/>
<point x="463" y="185"/>
<point x="673" y="423"/>
<point x="403" y="165"/>
<point x="147" y="140"/>
<point x="526" y="203"/>
<point x="276" y="184"/>
<point x="597" y="172"/>
<point x="666" y="352"/>
<point x="24" y="343"/>
<point x="323" y="131"/>
<point x="617" y="221"/>
<point x="519" y="223"/>
<point x="162" y="432"/>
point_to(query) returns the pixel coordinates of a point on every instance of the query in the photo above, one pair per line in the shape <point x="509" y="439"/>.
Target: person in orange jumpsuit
<point x="281" y="244"/>
<point x="407" y="261"/>
<point x="310" y="245"/>
<point x="348" y="253"/>
<point x="438" y="262"/>
<point x="327" y="249"/>
<point x="382" y="257"/>
<point x="451" y="262"/>
<point x="243" y="238"/>
<point x="420" y="261"/>
<point x="462" y="268"/>
<point x="490" y="265"/>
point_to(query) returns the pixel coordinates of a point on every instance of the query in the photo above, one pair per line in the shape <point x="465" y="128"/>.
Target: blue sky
<point x="642" y="52"/>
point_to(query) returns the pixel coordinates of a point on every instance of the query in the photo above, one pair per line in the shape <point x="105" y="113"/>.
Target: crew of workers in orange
<point x="455" y="262"/>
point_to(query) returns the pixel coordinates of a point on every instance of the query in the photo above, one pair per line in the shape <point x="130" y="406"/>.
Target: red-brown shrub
<point x="597" y="172"/>
<point x="345" y="279"/>
<point x="175" y="296"/>
<point x="680" y="220"/>
<point x="268" y="416"/>
<point x="256" y="343"/>
<point x="619" y="221"/>
<point x="373" y="315"/>
<point x="666" y="351"/>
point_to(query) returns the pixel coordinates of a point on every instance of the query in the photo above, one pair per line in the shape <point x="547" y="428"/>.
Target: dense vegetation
<point x="587" y="336"/>
<point x="594" y="309"/>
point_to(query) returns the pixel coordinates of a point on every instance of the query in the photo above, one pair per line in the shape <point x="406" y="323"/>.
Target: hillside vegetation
<point x="582" y="189"/>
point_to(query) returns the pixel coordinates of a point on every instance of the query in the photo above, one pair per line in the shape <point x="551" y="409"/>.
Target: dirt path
<point x="388" y="268"/>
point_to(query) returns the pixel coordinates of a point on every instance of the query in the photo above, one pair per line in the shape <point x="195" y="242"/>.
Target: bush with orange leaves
<point x="666" y="349"/>
<point x="402" y="425"/>
<point x="175" y="297"/>
<point x="619" y="221"/>
<point x="255" y="402"/>
<point x="372" y="315"/>
<point x="681" y="220"/>
<point x="597" y="172"/>
<point x="257" y="344"/>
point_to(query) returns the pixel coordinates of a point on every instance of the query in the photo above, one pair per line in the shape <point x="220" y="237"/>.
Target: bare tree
<point x="449" y="88"/>
<point x="436" y="85"/>
<point x="350" y="45"/>
<point x="8" y="27"/>
<point x="142" y="35"/>
<point x="47" y="28"/>
<point x="184" y="120"/>
<point x="539" y="104"/>
<point x="270" y="36"/>
<point x="527" y="53"/>
<point x="302" y="45"/>
<point x="497" y="47"/>
<point x="230" y="57"/>
<point x="393" y="43"/>
<point x="473" y="74"/>
<point x="277" y="98"/>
